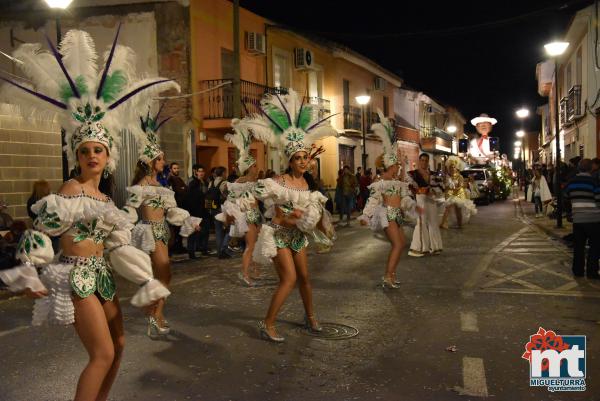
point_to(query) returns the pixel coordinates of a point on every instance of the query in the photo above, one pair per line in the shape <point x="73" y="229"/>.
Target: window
<point x="386" y="106"/>
<point x="578" y="67"/>
<point x="281" y="69"/>
<point x="569" y="81"/>
<point x="346" y="92"/>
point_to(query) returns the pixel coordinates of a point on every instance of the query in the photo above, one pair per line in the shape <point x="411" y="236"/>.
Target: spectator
<point x="364" y="183"/>
<point x="261" y="175"/>
<point x="538" y="192"/>
<point x="358" y="173"/>
<point x="349" y="188"/>
<point x="234" y="175"/>
<point x="195" y="203"/>
<point x="584" y="192"/>
<point x="216" y="195"/>
<point x="40" y="189"/>
<point x="596" y="168"/>
<point x="163" y="177"/>
<point x="180" y="189"/>
<point x="339" y="199"/>
<point x="5" y="220"/>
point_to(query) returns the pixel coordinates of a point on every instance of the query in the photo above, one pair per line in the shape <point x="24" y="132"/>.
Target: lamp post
<point x="363" y="100"/>
<point x="57" y="6"/>
<point x="554" y="50"/>
<point x="522" y="114"/>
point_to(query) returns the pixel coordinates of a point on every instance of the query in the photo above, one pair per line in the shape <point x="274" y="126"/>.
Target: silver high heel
<point x="244" y="280"/>
<point x="386" y="283"/>
<point x="264" y="334"/>
<point x="154" y="329"/>
<point x="317" y="328"/>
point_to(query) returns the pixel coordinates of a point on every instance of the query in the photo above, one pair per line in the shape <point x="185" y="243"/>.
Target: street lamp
<point x="520" y="133"/>
<point x="57" y="6"/>
<point x="522" y="113"/>
<point x="451" y="129"/>
<point x="363" y="100"/>
<point x="554" y="50"/>
<point x="518" y="144"/>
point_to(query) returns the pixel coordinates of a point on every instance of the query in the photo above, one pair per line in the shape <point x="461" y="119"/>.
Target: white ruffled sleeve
<point x="135" y="266"/>
<point x="35" y="248"/>
<point x="180" y="217"/>
<point x="312" y="212"/>
<point x="55" y="214"/>
<point x="134" y="201"/>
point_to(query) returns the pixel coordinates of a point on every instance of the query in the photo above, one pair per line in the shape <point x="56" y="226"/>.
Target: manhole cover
<point x="331" y="331"/>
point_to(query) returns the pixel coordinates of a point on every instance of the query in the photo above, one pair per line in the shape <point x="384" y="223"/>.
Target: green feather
<point x="305" y="117"/>
<point x="279" y="117"/>
<point x="66" y="92"/>
<point x="113" y="85"/>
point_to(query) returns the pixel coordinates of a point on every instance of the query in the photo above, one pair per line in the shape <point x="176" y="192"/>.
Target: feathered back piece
<point x="241" y="140"/>
<point x="387" y="133"/>
<point x="286" y="122"/>
<point x="456" y="162"/>
<point x="95" y="100"/>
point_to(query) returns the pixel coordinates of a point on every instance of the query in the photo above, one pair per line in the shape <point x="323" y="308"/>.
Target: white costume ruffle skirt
<point x="57" y="307"/>
<point x="265" y="249"/>
<point x="466" y="206"/>
<point x="239" y="228"/>
<point x="427" y="237"/>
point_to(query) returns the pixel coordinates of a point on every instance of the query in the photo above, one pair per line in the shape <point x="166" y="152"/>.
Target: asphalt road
<point x="498" y="280"/>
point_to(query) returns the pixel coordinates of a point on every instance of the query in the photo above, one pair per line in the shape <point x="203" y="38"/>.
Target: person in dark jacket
<point x="195" y="204"/>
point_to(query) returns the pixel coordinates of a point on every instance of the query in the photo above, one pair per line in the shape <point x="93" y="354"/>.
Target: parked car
<point x="484" y="182"/>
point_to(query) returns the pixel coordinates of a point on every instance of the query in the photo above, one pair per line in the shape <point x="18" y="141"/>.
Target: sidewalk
<point x="544" y="223"/>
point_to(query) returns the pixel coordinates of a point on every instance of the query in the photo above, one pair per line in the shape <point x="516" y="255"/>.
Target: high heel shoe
<point x="316" y="328"/>
<point x="245" y="280"/>
<point x="154" y="329"/>
<point x="264" y="334"/>
<point x="387" y="283"/>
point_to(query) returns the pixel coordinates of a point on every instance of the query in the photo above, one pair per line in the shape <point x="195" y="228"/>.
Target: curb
<point x="551" y="232"/>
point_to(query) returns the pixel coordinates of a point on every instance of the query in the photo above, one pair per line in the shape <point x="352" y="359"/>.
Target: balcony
<point x="218" y="103"/>
<point x="352" y="118"/>
<point x="322" y="105"/>
<point x="570" y="107"/>
<point x="563" y="111"/>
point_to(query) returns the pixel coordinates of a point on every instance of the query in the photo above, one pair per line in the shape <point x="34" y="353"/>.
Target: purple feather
<point x="159" y="110"/>
<point x="162" y="122"/>
<point x="321" y="122"/>
<point x="287" y="113"/>
<point x="135" y="92"/>
<point x="58" y="58"/>
<point x="245" y="108"/>
<point x="107" y="66"/>
<point x="37" y="94"/>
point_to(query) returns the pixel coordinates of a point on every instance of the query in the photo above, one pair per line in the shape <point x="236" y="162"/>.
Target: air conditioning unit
<point x="255" y="43"/>
<point x="303" y="59"/>
<point x="379" y="84"/>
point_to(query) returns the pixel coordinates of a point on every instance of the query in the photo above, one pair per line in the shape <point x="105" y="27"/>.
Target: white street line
<point x="532" y="250"/>
<point x="15" y="330"/>
<point x="568" y="286"/>
<point x="474" y="377"/>
<point x="468" y="322"/>
<point x="577" y="294"/>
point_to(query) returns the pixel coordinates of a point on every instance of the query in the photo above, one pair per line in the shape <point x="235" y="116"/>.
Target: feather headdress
<point x="241" y="140"/>
<point x="92" y="103"/>
<point x="287" y="123"/>
<point x="386" y="132"/>
<point x="456" y="162"/>
<point x="146" y="135"/>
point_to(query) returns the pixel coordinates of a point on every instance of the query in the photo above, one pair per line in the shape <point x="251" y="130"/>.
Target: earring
<point x="105" y="173"/>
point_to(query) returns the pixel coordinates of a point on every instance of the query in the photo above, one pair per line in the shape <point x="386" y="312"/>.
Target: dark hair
<point x="196" y="166"/>
<point x="312" y="184"/>
<point x="173" y="164"/>
<point x="219" y="171"/>
<point x="107" y="185"/>
<point x="585" y="165"/>
<point x="141" y="170"/>
<point x="424" y="155"/>
<point x="346" y="167"/>
<point x="596" y="161"/>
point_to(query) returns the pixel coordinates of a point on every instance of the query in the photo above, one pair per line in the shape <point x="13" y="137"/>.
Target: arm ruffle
<point x="310" y="217"/>
<point x="35" y="248"/>
<point x="22" y="277"/>
<point x="131" y="213"/>
<point x="240" y="227"/>
<point x="55" y="214"/>
<point x="135" y="266"/>
<point x="189" y="226"/>
<point x="177" y="216"/>
<point x="265" y="249"/>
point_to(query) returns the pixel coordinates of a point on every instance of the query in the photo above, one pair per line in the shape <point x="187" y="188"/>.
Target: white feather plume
<point x="124" y="60"/>
<point x="257" y="126"/>
<point x="40" y="67"/>
<point x="79" y="56"/>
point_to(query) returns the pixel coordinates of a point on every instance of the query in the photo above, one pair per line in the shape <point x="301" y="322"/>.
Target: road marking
<point x="15" y="330"/>
<point x="577" y="294"/>
<point x="568" y="286"/>
<point x="531" y="250"/>
<point x="474" y="377"/>
<point x="468" y="322"/>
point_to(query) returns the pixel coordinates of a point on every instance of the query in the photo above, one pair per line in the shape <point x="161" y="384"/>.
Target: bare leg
<point x="301" y="265"/>
<point x="161" y="267"/>
<point x="444" y="223"/>
<point x="250" y="237"/>
<point x="284" y="263"/>
<point x="114" y="316"/>
<point x="398" y="241"/>
<point x="93" y="330"/>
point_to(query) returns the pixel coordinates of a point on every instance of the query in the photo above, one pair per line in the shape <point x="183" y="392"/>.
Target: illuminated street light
<point x="451" y="129"/>
<point x="518" y="144"/>
<point x="62" y="4"/>
<point x="555" y="49"/>
<point x="363" y="100"/>
<point x="520" y="133"/>
<point x="522" y="113"/>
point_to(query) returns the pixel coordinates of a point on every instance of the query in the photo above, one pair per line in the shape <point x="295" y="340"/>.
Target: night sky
<point x="478" y="56"/>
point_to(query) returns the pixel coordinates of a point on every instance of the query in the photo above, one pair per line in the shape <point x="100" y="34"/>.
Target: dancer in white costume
<point x="158" y="209"/>
<point x="292" y="200"/>
<point x="389" y="201"/>
<point x="457" y="199"/>
<point x="241" y="208"/>
<point x="427" y="189"/>
<point x="77" y="286"/>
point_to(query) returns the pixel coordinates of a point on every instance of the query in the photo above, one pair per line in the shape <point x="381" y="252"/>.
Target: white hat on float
<point x="483" y="118"/>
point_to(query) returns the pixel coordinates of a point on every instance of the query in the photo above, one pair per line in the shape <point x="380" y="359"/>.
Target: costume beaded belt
<point x="89" y="275"/>
<point x="160" y="230"/>
<point x="286" y="237"/>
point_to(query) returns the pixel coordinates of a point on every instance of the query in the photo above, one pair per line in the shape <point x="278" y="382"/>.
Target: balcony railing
<point x="322" y="105"/>
<point x="563" y="111"/>
<point x="574" y="103"/>
<point x="352" y="118"/>
<point x="218" y="103"/>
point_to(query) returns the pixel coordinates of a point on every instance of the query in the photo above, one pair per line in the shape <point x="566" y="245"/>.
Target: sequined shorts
<point x="394" y="214"/>
<point x="160" y="230"/>
<point x="90" y="275"/>
<point x="289" y="238"/>
<point x="253" y="216"/>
